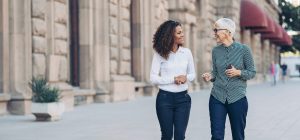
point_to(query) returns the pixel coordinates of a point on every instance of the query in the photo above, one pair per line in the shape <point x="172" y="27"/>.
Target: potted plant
<point x="45" y="101"/>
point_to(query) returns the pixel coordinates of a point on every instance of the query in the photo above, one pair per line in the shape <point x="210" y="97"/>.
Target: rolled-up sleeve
<point x="214" y="69"/>
<point x="249" y="68"/>
<point x="191" y="74"/>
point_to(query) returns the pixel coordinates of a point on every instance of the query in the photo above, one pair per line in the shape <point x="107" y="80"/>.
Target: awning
<point x="285" y="40"/>
<point x="277" y="35"/>
<point x="252" y="16"/>
<point x="269" y="29"/>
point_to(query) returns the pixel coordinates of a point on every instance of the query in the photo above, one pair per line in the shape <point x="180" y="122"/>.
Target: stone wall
<point x="120" y="37"/>
<point x="50" y="40"/>
<point x="50" y="49"/>
<point x="39" y="40"/>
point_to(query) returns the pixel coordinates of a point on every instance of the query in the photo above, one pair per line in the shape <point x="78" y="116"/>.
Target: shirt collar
<point x="180" y="49"/>
<point x="232" y="46"/>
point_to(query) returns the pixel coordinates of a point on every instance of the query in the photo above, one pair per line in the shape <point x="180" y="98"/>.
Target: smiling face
<point x="220" y="34"/>
<point x="178" y="36"/>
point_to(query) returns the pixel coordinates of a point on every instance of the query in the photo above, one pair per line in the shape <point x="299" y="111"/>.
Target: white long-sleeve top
<point x="163" y="71"/>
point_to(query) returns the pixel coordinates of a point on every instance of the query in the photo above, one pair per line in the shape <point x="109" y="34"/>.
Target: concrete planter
<point x="47" y="111"/>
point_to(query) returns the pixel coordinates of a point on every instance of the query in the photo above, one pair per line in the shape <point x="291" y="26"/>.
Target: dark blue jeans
<point x="173" y="111"/>
<point x="237" y="113"/>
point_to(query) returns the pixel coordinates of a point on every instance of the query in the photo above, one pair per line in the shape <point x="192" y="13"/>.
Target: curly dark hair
<point x="163" y="39"/>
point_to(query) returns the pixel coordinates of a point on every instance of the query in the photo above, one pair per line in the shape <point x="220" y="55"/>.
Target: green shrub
<point x="42" y="92"/>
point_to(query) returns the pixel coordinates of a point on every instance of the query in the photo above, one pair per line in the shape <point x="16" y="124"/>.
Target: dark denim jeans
<point x="173" y="111"/>
<point x="237" y="113"/>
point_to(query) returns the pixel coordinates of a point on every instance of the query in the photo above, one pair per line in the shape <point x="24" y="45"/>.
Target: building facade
<point x="101" y="50"/>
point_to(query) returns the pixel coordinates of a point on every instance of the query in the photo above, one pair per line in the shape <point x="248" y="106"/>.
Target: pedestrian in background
<point x="233" y="65"/>
<point x="277" y="72"/>
<point x="272" y="70"/>
<point x="299" y="70"/>
<point x="284" y="68"/>
<point x="172" y="69"/>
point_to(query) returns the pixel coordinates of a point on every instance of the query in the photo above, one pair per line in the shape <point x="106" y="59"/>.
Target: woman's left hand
<point x="233" y="72"/>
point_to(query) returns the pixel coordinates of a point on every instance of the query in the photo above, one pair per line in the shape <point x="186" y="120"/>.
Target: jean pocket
<point x="161" y="95"/>
<point x="188" y="96"/>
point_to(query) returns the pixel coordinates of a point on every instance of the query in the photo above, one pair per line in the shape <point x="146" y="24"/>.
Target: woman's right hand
<point x="181" y="79"/>
<point x="206" y="76"/>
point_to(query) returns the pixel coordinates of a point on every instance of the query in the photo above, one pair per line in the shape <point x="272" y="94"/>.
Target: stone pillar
<point x="272" y="52"/>
<point x="267" y="59"/>
<point x="20" y="56"/>
<point x="94" y="52"/>
<point x="277" y="54"/>
<point x="122" y="83"/>
<point x="101" y="51"/>
<point x="246" y="38"/>
<point x="256" y="52"/>
<point x="136" y="39"/>
<point x="264" y="61"/>
<point x="184" y="12"/>
<point x="142" y="30"/>
<point x="4" y="56"/>
<point x="86" y="59"/>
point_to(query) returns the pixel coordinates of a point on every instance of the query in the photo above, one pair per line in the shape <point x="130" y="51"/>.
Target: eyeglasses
<point x="216" y="30"/>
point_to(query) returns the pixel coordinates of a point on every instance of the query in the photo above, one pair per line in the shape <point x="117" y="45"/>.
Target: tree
<point x="290" y="17"/>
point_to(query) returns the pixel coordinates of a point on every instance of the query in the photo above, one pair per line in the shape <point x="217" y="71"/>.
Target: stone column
<point x="272" y="52"/>
<point x="86" y="27"/>
<point x="246" y="38"/>
<point x="101" y="51"/>
<point x="267" y="61"/>
<point x="20" y="56"/>
<point x="264" y="58"/>
<point x="136" y="39"/>
<point x="256" y="51"/>
<point x="277" y="54"/>
<point x="142" y="30"/>
<point x="4" y="56"/>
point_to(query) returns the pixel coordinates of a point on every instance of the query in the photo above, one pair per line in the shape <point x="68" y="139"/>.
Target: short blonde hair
<point x="226" y="23"/>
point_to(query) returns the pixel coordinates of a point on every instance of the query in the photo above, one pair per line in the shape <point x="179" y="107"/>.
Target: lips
<point x="181" y="39"/>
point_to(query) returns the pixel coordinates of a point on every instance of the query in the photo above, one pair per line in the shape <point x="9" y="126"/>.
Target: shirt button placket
<point x="227" y="60"/>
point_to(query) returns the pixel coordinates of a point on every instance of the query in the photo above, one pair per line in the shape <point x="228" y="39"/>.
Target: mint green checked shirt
<point x="231" y="89"/>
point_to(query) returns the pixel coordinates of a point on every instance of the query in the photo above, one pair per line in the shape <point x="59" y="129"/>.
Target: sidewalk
<point x="274" y="114"/>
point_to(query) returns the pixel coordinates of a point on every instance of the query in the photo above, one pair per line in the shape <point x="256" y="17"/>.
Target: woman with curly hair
<point x="172" y="68"/>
